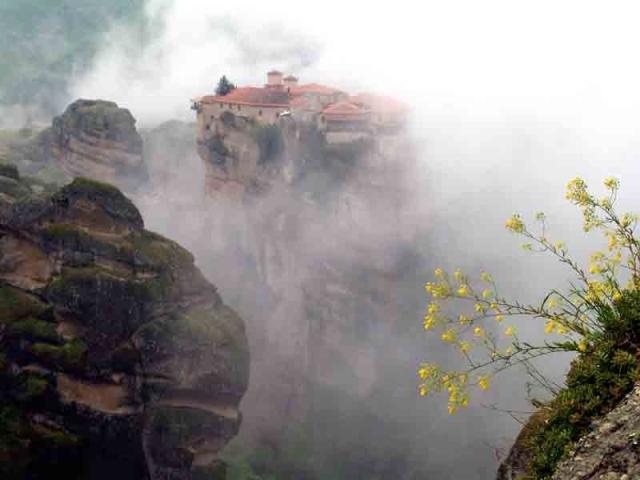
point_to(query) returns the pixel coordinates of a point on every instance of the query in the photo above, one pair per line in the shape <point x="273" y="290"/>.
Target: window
<point x="239" y="108"/>
<point x="259" y="113"/>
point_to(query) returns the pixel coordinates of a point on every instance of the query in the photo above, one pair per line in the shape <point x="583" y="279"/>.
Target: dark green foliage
<point x="224" y="86"/>
<point x="61" y="236"/>
<point x="16" y="304"/>
<point x="270" y="142"/>
<point x="34" y="329"/>
<point x="70" y="356"/>
<point x="597" y="381"/>
<point x="157" y="252"/>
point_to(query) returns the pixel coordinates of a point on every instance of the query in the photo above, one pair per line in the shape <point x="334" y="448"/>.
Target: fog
<point x="509" y="101"/>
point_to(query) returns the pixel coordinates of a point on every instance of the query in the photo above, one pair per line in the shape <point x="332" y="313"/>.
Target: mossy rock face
<point x="598" y="380"/>
<point x="126" y="349"/>
<point x="106" y="196"/>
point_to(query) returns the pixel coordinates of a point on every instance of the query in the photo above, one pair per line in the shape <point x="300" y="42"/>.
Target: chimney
<point x="274" y="79"/>
<point x="290" y="82"/>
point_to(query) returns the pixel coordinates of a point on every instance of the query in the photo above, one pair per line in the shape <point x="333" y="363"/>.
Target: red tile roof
<point x="379" y="103"/>
<point x="255" y="96"/>
<point x="344" y="110"/>
<point x="314" y="88"/>
<point x="299" y="102"/>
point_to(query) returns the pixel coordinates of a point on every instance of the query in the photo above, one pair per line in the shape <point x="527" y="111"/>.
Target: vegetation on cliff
<point x="119" y="347"/>
<point x="598" y="317"/>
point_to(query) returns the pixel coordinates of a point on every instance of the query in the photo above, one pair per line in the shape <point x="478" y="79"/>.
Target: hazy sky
<point x="560" y="58"/>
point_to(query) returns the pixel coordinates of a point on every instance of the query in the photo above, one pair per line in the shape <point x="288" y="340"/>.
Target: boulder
<point x="98" y="139"/>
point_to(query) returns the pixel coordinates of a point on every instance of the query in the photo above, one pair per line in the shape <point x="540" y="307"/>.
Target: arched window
<point x="259" y="113"/>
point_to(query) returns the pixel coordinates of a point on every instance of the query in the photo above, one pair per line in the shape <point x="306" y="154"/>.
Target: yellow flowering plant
<point x="573" y="319"/>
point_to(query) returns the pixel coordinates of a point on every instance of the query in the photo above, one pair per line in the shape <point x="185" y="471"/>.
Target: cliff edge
<point x="117" y="358"/>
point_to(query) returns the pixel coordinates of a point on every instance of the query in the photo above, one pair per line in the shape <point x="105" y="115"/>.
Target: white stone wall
<point x="212" y="111"/>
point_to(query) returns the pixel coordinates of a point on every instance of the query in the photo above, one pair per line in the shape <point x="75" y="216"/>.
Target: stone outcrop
<point x="241" y="156"/>
<point x="612" y="450"/>
<point x="98" y="139"/>
<point x="117" y="358"/>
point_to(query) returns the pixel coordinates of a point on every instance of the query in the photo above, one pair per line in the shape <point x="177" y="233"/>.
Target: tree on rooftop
<point x="224" y="86"/>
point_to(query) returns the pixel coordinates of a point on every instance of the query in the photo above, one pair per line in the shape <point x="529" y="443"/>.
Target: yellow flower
<point x="428" y="322"/>
<point x="457" y="274"/>
<point x="509" y="331"/>
<point x="595" y="268"/>
<point x="451" y="409"/>
<point x="499" y="318"/>
<point x="611" y="183"/>
<point x="463" y="291"/>
<point x="549" y="327"/>
<point x="616" y="296"/>
<point x="479" y="307"/>
<point x="626" y="220"/>
<point x="463" y="320"/>
<point x="561" y="330"/>
<point x="438" y="272"/>
<point x="483" y="382"/>
<point x="514" y="224"/>
<point x="486" y="293"/>
<point x="485" y="277"/>
<point x="582" y="346"/>
<point x="577" y="192"/>
<point x="478" y="332"/>
<point x="433" y="308"/>
<point x="465" y="347"/>
<point x="448" y="336"/>
<point x="423" y="390"/>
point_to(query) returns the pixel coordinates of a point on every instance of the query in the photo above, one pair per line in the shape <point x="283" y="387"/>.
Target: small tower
<point x="290" y="81"/>
<point x="274" y="79"/>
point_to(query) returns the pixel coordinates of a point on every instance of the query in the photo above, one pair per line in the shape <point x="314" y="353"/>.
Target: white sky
<point x="569" y="58"/>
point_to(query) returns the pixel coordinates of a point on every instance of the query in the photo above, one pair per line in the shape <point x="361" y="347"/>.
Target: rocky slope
<point x="612" y="450"/>
<point x="118" y="359"/>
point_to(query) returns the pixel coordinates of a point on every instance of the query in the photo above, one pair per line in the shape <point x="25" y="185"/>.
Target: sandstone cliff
<point x="97" y="139"/>
<point x="118" y="359"/>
